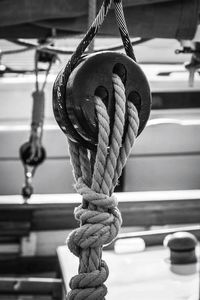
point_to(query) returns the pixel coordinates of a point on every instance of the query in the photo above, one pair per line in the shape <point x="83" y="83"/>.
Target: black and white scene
<point x="100" y="150"/>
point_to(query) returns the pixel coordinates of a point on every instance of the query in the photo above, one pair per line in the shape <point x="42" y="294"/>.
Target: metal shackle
<point x="93" y="76"/>
<point x="27" y="191"/>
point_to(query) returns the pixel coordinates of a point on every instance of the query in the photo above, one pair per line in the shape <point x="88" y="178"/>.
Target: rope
<point x="38" y="111"/>
<point x="32" y="152"/>
<point x="96" y="175"/>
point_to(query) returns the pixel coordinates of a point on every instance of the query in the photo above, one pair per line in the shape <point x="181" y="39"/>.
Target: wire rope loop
<point x="59" y="108"/>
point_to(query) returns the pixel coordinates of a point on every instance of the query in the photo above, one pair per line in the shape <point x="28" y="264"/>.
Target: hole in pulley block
<point x="135" y="98"/>
<point x="102" y="92"/>
<point x="120" y="70"/>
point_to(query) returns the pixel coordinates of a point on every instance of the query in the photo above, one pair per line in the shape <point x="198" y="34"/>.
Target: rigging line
<point x="36" y="71"/>
<point x="31" y="44"/>
<point x="16" y="51"/>
<point x="65" y="51"/>
<point x="92" y="31"/>
<point x="46" y="74"/>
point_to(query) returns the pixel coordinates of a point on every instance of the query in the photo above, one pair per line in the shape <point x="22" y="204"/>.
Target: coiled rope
<point x="96" y="175"/>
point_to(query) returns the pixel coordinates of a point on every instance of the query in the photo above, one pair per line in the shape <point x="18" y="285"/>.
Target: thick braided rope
<point x="117" y="134"/>
<point x="96" y="177"/>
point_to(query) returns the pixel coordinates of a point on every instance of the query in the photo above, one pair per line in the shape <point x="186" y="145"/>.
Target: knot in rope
<point x="89" y="285"/>
<point x="96" y="175"/>
<point x="99" y="226"/>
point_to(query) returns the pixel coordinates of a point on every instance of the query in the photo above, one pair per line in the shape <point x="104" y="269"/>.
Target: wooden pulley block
<point x="27" y="158"/>
<point x="93" y="76"/>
